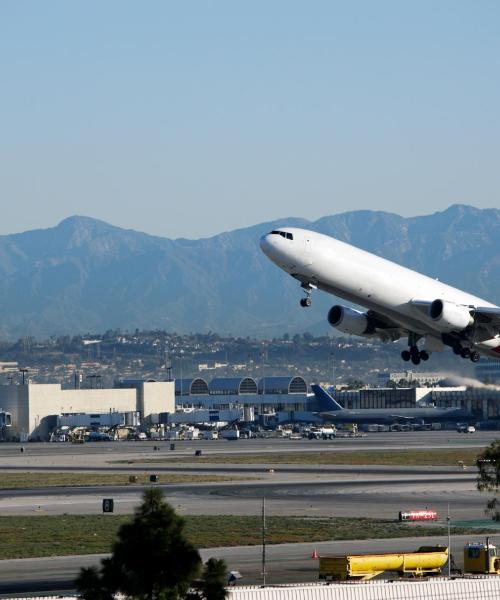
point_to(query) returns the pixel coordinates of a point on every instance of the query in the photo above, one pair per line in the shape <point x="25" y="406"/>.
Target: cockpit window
<point x="287" y="236"/>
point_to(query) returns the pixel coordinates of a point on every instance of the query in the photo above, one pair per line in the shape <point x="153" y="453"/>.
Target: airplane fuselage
<point x="389" y="416"/>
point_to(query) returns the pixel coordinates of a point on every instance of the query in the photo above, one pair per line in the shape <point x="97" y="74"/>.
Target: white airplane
<point x="400" y="302"/>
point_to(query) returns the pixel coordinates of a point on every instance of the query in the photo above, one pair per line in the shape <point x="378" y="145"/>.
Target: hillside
<point x="86" y="275"/>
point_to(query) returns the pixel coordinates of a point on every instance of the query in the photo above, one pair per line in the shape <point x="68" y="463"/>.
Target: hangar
<point x="34" y="407"/>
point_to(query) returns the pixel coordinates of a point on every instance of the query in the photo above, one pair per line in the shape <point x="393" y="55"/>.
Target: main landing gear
<point x="465" y="352"/>
<point x="415" y="355"/>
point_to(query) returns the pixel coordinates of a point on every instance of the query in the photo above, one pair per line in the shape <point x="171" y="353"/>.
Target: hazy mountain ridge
<point x="87" y="275"/>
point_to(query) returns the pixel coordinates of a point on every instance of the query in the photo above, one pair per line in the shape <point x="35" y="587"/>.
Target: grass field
<point x="35" y="536"/>
<point x="34" y="480"/>
<point x="434" y="457"/>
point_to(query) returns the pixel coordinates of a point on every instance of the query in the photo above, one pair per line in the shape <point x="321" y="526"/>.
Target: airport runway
<point x="334" y="490"/>
<point x="286" y="563"/>
<point x="378" y="497"/>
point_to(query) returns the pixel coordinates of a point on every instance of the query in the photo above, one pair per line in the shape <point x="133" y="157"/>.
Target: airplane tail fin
<point x="326" y="402"/>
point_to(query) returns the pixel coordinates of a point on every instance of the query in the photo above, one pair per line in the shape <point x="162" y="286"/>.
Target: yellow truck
<point x="481" y="558"/>
<point x="427" y="560"/>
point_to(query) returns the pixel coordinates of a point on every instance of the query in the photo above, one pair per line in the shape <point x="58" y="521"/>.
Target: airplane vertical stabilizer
<point x="326" y="403"/>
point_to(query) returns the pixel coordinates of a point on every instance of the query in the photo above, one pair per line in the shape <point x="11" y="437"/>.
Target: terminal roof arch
<point x="191" y="387"/>
<point x="282" y="385"/>
<point x="233" y="386"/>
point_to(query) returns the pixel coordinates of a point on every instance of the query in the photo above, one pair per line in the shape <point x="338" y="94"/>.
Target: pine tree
<point x="488" y="479"/>
<point x="151" y="559"/>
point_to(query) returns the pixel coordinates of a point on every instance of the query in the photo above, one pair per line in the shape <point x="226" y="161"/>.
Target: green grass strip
<point x="20" y="479"/>
<point x="434" y="457"/>
<point x="37" y="536"/>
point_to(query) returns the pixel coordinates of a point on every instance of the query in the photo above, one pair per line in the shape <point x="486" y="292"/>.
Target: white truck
<point x="229" y="434"/>
<point x="209" y="434"/>
<point x="322" y="433"/>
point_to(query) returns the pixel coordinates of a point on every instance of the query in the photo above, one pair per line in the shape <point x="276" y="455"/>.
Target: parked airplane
<point x="330" y="410"/>
<point x="399" y="301"/>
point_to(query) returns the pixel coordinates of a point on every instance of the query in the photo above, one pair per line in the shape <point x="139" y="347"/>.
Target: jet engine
<point x="449" y="316"/>
<point x="348" y="320"/>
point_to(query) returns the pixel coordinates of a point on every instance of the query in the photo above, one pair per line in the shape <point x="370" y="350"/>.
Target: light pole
<point x="333" y="367"/>
<point x="448" y="520"/>
<point x="181" y="353"/>
<point x="264" y="542"/>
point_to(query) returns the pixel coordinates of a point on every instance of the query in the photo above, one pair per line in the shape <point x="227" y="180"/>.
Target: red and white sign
<point x="418" y="515"/>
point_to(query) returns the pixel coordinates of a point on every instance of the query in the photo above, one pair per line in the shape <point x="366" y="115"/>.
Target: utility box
<point x="108" y="505"/>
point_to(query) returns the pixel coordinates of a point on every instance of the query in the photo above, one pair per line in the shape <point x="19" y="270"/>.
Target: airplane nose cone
<point x="265" y="244"/>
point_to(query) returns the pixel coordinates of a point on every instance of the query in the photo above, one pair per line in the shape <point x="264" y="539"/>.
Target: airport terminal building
<point x="258" y="399"/>
<point x="37" y="409"/>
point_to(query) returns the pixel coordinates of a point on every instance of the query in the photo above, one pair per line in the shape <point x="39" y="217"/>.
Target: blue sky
<point x="190" y="118"/>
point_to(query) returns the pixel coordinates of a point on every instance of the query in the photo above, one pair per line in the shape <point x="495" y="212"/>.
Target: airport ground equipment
<point x="418" y="515"/>
<point x="5" y="422"/>
<point x="481" y="558"/>
<point x="427" y="560"/>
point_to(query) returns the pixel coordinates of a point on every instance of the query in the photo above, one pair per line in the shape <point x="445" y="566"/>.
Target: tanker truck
<point x="427" y="560"/>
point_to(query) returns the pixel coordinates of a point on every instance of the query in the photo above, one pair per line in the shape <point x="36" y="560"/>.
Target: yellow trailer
<point x="427" y="560"/>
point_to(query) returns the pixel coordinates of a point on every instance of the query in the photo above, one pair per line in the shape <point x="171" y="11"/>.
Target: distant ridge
<point x="87" y="275"/>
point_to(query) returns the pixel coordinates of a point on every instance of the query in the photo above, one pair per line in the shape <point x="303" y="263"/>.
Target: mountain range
<point x="86" y="275"/>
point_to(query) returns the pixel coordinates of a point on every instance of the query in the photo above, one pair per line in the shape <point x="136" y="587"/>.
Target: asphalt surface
<point x="285" y="563"/>
<point x="331" y="490"/>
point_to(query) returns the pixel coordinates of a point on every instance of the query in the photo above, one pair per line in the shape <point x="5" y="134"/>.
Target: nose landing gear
<point x="308" y="288"/>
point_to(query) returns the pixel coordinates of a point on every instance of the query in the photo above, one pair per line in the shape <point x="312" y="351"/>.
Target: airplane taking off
<point x="400" y="302"/>
<point x="330" y="410"/>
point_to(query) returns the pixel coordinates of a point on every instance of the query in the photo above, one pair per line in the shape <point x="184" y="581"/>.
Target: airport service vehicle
<point x="465" y="428"/>
<point x="209" y="434"/>
<point x="399" y="301"/>
<point x="229" y="434"/>
<point x="322" y="433"/>
<point x="5" y="418"/>
<point x="330" y="410"/>
<point x="481" y="558"/>
<point x="427" y="560"/>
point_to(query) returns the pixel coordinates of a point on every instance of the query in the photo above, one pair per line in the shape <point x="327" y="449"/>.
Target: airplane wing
<point x="384" y="327"/>
<point x="488" y="319"/>
<point x="404" y="417"/>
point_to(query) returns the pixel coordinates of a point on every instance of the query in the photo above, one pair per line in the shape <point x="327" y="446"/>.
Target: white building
<point x="421" y="378"/>
<point x="34" y="407"/>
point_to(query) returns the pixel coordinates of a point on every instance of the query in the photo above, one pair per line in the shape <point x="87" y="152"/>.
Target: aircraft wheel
<point x="305" y="302"/>
<point x="474" y="356"/>
<point x="424" y="355"/>
<point x="405" y="355"/>
<point x="465" y="353"/>
<point x="415" y="359"/>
